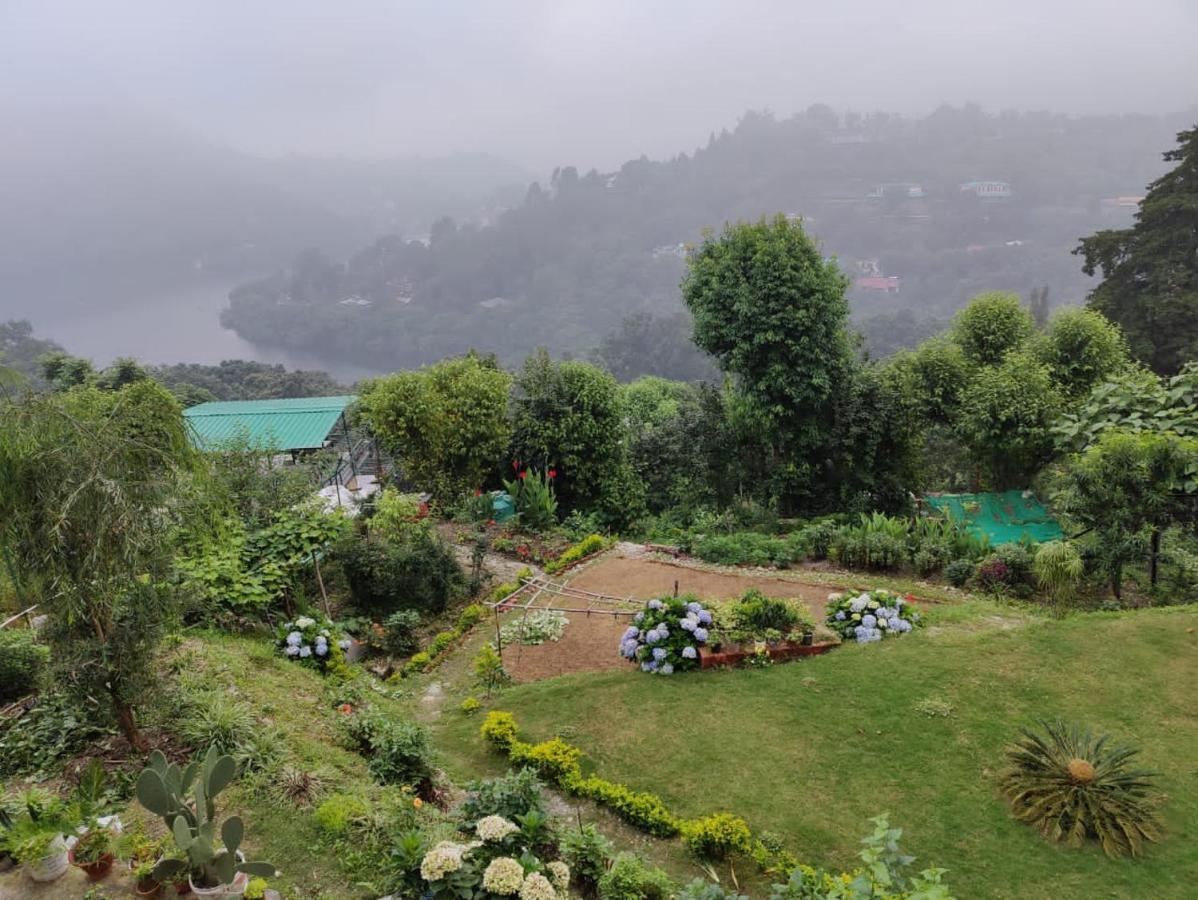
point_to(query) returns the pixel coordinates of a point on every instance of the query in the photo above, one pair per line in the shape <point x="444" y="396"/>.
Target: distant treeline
<point x="566" y="267"/>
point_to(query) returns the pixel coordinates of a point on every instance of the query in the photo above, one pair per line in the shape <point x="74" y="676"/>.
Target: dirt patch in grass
<point x="642" y="579"/>
<point x="589" y="644"/>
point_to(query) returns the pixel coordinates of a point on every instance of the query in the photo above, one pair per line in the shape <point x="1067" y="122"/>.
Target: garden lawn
<point x="811" y="750"/>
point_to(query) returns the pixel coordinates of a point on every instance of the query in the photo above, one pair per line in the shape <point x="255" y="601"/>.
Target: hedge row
<point x="430" y="657"/>
<point x="591" y="544"/>
<point x="710" y="837"/>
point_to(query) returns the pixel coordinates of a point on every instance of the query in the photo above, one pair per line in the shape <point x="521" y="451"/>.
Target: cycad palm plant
<point x="1070" y="784"/>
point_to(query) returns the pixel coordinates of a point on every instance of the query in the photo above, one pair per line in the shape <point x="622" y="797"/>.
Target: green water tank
<point x="503" y="505"/>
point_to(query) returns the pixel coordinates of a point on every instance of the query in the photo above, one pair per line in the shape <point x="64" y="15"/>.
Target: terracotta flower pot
<point x="94" y="870"/>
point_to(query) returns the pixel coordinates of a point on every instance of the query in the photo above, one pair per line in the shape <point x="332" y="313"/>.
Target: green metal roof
<point x="298" y="423"/>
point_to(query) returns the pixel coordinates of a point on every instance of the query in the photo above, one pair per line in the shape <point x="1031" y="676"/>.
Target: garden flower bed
<point x="734" y="655"/>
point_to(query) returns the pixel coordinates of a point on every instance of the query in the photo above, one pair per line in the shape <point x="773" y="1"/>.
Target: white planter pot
<point x="236" y="889"/>
<point x="50" y="867"/>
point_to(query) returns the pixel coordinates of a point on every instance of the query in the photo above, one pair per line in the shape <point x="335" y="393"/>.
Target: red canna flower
<point x="478" y="492"/>
<point x="553" y="473"/>
<point x="524" y="474"/>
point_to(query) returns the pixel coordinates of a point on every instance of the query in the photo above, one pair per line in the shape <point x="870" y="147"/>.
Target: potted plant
<point x="142" y="853"/>
<point x="185" y="799"/>
<point x="35" y="836"/>
<point x="93" y="852"/>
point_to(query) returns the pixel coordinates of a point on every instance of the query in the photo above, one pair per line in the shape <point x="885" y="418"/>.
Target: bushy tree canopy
<point x="1006" y="419"/>
<point x="446" y="424"/>
<point x="992" y="325"/>
<point x="1081" y="348"/>
<point x="568" y="416"/>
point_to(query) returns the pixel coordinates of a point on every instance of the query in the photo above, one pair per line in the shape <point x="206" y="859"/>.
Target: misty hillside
<point x="922" y="214"/>
<point x="101" y="193"/>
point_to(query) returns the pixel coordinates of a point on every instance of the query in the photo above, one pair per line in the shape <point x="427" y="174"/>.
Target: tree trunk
<point x="1117" y="582"/>
<point x="1154" y="556"/>
<point x="125" y="718"/>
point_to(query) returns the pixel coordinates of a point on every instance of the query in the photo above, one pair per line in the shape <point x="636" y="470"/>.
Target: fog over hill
<point x="159" y="155"/>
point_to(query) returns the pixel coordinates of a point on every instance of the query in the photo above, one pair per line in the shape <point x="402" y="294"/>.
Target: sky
<point x="580" y="82"/>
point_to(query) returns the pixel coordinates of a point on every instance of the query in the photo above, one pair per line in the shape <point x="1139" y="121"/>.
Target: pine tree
<point x="1150" y="271"/>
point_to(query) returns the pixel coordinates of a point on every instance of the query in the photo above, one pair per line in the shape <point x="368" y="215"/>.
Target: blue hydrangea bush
<point x="666" y="635"/>
<point x="871" y="615"/>
<point x="314" y="642"/>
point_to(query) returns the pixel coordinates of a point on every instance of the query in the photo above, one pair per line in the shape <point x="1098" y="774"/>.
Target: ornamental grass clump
<point x="871" y="615"/>
<point x="1071" y="785"/>
<point x="666" y="635"/>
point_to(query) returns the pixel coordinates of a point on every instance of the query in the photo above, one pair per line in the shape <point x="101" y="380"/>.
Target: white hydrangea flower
<point x="537" y="887"/>
<point x="559" y="874"/>
<point x="494" y="828"/>
<point x="304" y="622"/>
<point x="444" y="858"/>
<point x="505" y="876"/>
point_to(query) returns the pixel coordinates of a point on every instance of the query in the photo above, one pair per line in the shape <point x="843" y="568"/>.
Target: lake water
<point x="175" y="320"/>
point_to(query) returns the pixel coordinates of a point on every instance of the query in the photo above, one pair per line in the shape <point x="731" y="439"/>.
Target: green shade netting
<point x="1006" y="518"/>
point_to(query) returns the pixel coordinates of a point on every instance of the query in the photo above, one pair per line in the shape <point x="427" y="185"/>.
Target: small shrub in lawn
<point x="717" y="836"/>
<point x="470" y="706"/>
<point x="871" y="616"/>
<point x="22" y="662"/>
<point x="511" y="796"/>
<point x="1070" y="785"/>
<point x="666" y="635"/>
<point x="629" y="878"/>
<point x="399" y="632"/>
<point x="335" y="815"/>
<point x="959" y="572"/>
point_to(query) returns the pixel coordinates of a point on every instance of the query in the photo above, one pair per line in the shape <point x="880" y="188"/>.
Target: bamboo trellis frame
<point x="561" y="597"/>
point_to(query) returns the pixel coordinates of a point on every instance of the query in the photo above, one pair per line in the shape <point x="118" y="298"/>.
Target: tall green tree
<point x="446" y="424"/>
<point x="772" y="311"/>
<point x="1006" y="418"/>
<point x="89" y="497"/>
<point x="1150" y="271"/>
<point x="569" y="417"/>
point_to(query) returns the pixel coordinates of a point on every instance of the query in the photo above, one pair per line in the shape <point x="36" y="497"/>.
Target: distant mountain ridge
<point x="922" y="213"/>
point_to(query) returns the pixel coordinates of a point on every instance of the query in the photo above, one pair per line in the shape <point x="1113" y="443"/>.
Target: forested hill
<point x="922" y="214"/>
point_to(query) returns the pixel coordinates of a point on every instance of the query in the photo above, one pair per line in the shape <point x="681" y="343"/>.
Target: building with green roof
<point x="291" y="425"/>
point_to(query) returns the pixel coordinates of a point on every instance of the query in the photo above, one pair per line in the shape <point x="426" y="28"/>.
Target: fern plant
<point x="1071" y="785"/>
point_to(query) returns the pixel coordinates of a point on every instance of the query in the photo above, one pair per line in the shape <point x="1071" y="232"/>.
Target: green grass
<point x="812" y="749"/>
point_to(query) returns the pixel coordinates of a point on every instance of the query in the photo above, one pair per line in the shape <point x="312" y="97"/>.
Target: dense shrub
<point x="931" y="558"/>
<point x="631" y="879"/>
<point x="1008" y="568"/>
<point x="856" y="548"/>
<point x="22" y="663"/>
<point x="757" y="614"/>
<point x="717" y="836"/>
<point x="588" y="853"/>
<point x="817" y="536"/>
<point x="399" y="632"/>
<point x="401" y="754"/>
<point x="419" y="572"/>
<point x="752" y="549"/>
<point x="959" y="572"/>
<point x="512" y="795"/>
